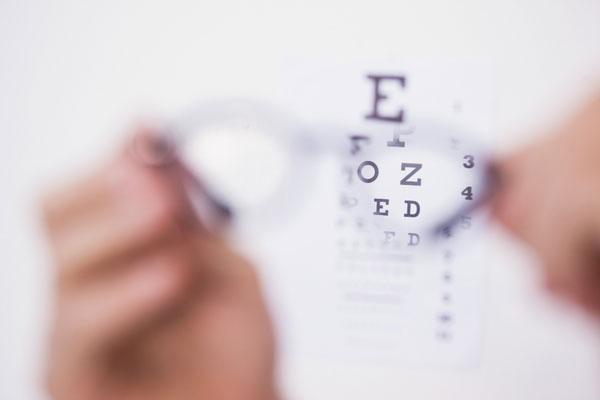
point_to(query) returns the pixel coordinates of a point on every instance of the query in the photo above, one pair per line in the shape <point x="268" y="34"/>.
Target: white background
<point x="74" y="75"/>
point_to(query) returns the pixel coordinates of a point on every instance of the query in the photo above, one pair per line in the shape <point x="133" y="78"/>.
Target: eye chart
<point x="369" y="281"/>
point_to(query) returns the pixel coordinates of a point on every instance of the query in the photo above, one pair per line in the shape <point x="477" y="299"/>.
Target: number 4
<point x="468" y="193"/>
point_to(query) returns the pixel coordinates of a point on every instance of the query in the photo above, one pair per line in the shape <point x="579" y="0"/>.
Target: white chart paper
<point x="350" y="272"/>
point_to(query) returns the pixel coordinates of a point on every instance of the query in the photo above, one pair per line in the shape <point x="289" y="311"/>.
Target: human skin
<point x="549" y="197"/>
<point x="149" y="305"/>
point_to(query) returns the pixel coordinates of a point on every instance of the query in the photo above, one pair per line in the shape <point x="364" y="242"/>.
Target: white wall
<point x="74" y="74"/>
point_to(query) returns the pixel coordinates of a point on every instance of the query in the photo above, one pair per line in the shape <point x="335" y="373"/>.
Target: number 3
<point x="470" y="163"/>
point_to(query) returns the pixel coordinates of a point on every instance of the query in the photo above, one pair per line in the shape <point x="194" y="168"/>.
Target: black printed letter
<point x="414" y="239"/>
<point x="375" y="171"/>
<point x="378" y="96"/>
<point x="355" y="142"/>
<point x="415" y="169"/>
<point x="379" y="207"/>
<point x="409" y="212"/>
<point x="388" y="236"/>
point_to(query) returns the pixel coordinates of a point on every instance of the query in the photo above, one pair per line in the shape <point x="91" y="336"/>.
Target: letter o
<point x="375" y="171"/>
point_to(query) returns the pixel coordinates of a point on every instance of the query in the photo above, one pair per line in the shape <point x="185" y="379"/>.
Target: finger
<point x="137" y="210"/>
<point x="141" y="206"/>
<point x="510" y="198"/>
<point x="79" y="197"/>
<point x="75" y="199"/>
<point x="584" y="266"/>
<point x="159" y="151"/>
<point x="90" y="320"/>
<point x="564" y="242"/>
<point x="576" y="282"/>
<point x="98" y="314"/>
<point x="525" y="180"/>
<point x="151" y="147"/>
<point x="217" y="263"/>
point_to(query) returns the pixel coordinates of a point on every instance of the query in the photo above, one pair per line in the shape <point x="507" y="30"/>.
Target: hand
<point x="148" y="304"/>
<point x="550" y="197"/>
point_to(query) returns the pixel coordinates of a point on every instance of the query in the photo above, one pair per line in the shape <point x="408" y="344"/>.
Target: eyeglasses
<point x="252" y="164"/>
